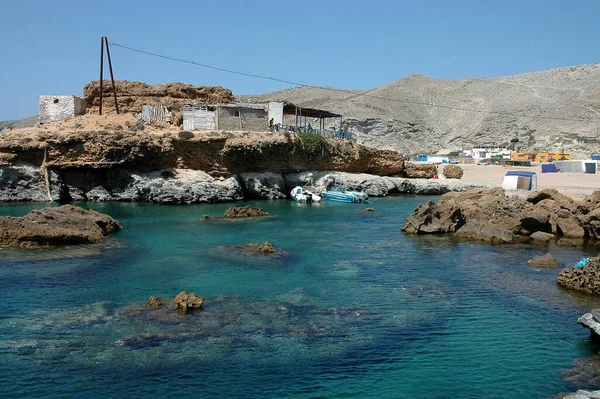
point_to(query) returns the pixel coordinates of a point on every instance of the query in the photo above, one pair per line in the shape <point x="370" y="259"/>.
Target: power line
<point x="257" y="76"/>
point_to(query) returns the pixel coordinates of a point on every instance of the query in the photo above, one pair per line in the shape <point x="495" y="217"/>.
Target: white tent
<point x="519" y="180"/>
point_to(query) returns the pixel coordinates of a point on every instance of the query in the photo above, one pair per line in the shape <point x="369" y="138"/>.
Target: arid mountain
<point x="551" y="110"/>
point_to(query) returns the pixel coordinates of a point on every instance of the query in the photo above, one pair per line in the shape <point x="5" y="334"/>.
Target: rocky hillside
<point x="549" y="110"/>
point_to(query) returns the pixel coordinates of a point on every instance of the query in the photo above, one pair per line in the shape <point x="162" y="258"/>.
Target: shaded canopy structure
<point x="313" y="113"/>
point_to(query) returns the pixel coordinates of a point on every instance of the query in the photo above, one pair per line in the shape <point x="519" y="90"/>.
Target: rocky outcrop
<point x="247" y="211"/>
<point x="494" y="216"/>
<point x="420" y="171"/>
<point x="219" y="155"/>
<point x="583" y="394"/>
<point x="543" y="261"/>
<point x="453" y="172"/>
<point x="131" y="96"/>
<point x="473" y="230"/>
<point x="585" y="279"/>
<point x="155" y="302"/>
<point x="592" y="321"/>
<point x="264" y="185"/>
<point x="185" y="301"/>
<point x="65" y="225"/>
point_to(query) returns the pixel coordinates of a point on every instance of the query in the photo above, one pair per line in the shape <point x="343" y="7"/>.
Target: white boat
<point x="303" y="195"/>
<point x="340" y="194"/>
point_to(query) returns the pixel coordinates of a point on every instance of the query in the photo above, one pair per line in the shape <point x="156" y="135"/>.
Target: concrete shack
<point x="54" y="108"/>
<point x="229" y="117"/>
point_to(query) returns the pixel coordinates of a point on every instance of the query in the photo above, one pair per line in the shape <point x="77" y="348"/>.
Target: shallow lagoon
<point x="354" y="308"/>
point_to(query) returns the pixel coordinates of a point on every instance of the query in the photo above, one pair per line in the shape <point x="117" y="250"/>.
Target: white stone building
<point x="53" y="108"/>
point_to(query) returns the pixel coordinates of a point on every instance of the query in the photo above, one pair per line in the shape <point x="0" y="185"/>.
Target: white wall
<point x="276" y="112"/>
<point x="53" y="108"/>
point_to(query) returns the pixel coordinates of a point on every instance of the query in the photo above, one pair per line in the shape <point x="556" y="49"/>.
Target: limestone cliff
<point x="106" y="158"/>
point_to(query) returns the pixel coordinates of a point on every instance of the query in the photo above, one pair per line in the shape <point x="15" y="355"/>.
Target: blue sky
<point x="53" y="47"/>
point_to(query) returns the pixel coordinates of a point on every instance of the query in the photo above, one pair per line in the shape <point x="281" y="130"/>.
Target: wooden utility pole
<point x="103" y="43"/>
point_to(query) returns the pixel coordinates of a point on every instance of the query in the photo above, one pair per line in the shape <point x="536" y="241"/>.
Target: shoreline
<point x="574" y="185"/>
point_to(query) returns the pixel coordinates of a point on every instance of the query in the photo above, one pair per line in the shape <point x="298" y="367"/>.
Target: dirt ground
<point x="575" y="185"/>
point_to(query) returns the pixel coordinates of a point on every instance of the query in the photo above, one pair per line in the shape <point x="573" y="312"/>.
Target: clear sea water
<point x="351" y="308"/>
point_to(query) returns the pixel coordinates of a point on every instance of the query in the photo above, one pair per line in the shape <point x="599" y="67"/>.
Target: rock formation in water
<point x="491" y="215"/>
<point x="185" y="301"/>
<point x="585" y="279"/>
<point x="65" y="225"/>
<point x="543" y="261"/>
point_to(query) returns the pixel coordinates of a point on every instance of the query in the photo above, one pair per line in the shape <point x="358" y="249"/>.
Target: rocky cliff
<point x="106" y="158"/>
<point x="549" y="110"/>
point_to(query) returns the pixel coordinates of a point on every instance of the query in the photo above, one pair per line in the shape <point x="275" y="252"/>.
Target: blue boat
<point x="340" y="194"/>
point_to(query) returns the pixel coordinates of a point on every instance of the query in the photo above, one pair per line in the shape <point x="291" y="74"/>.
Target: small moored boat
<point x="303" y="195"/>
<point x="340" y="194"/>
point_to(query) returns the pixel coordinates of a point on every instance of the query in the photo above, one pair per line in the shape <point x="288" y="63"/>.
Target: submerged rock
<point x="264" y="248"/>
<point x="185" y="301"/>
<point x="65" y="225"/>
<point x="543" y="261"/>
<point x="155" y="302"/>
<point x="244" y="212"/>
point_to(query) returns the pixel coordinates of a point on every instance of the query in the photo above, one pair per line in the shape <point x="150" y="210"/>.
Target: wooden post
<point x="112" y="78"/>
<point x="101" y="65"/>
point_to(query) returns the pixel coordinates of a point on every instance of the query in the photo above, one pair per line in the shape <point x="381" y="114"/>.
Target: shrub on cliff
<point x="313" y="144"/>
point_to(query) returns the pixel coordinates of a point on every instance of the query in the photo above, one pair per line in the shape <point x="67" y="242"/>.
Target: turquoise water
<point x="351" y="307"/>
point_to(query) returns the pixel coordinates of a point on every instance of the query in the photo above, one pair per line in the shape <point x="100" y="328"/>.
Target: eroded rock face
<point x="585" y="279"/>
<point x="264" y="185"/>
<point x="544" y="216"/>
<point x="65" y="225"/>
<point x="420" y="171"/>
<point x="244" y="212"/>
<point x="131" y="96"/>
<point x="453" y="172"/>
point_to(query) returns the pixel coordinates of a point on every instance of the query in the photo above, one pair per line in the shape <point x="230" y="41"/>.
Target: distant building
<point x="230" y="117"/>
<point x="539" y="157"/>
<point x="54" y="108"/>
<point x="486" y="152"/>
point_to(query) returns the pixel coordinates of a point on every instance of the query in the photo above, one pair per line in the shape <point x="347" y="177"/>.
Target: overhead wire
<point x="257" y="76"/>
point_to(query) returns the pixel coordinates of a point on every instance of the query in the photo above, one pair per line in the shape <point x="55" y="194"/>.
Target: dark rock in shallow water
<point x="543" y="261"/>
<point x="65" y="225"/>
<point x="244" y="212"/>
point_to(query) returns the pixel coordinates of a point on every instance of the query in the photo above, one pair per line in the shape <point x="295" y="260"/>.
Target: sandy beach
<point x="575" y="185"/>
